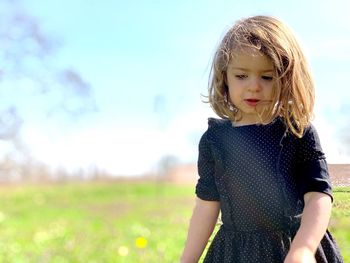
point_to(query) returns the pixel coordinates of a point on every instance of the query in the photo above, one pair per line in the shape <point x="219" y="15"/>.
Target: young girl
<point x="261" y="164"/>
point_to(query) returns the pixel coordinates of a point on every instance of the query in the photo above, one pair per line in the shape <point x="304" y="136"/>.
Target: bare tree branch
<point x="27" y="58"/>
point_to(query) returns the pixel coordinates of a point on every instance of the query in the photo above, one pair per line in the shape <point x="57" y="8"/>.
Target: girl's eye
<point x="268" y="78"/>
<point x="241" y="76"/>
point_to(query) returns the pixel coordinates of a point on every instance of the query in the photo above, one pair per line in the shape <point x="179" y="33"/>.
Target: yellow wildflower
<point x="141" y="242"/>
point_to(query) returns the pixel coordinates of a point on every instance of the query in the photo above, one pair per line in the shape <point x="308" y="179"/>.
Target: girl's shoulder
<point x="217" y="122"/>
<point x="215" y="126"/>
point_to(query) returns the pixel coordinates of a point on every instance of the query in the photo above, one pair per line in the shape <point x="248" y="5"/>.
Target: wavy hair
<point x="293" y="92"/>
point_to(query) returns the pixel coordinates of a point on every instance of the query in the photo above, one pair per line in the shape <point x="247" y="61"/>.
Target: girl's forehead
<point x="251" y="59"/>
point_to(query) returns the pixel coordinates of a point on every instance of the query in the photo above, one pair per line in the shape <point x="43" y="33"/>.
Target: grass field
<point x="110" y="222"/>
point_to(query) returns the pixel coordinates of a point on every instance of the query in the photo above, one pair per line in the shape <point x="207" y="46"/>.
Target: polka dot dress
<point x="259" y="173"/>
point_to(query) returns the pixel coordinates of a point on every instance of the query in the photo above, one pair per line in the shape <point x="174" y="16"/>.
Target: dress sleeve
<point x="311" y="164"/>
<point x="206" y="187"/>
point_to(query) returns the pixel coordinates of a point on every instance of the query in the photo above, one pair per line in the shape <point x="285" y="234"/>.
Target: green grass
<point x="110" y="222"/>
<point x="340" y="221"/>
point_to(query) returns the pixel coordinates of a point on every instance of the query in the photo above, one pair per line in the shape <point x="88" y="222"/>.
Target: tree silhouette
<point x="27" y="70"/>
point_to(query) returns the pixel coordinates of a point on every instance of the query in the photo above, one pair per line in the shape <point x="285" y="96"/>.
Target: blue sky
<point x="147" y="63"/>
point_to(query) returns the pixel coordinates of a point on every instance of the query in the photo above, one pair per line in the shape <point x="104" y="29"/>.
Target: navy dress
<point x="260" y="173"/>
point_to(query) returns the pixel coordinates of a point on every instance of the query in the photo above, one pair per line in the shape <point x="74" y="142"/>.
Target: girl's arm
<point x="204" y="218"/>
<point x="314" y="223"/>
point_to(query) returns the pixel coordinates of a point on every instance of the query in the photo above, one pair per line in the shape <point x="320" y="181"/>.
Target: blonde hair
<point x="293" y="93"/>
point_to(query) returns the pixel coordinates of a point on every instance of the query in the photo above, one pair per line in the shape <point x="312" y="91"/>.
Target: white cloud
<point x="123" y="151"/>
<point x="119" y="149"/>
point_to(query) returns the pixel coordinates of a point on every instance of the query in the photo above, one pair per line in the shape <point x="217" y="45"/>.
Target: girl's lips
<point x="252" y="102"/>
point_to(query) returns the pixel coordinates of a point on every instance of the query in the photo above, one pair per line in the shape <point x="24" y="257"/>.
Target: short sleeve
<point x="206" y="187"/>
<point x="312" y="167"/>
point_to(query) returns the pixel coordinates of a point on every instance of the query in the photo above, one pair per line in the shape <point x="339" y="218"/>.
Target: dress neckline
<point x="251" y="125"/>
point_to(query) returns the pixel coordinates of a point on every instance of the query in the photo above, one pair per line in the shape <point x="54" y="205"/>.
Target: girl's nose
<point x="255" y="85"/>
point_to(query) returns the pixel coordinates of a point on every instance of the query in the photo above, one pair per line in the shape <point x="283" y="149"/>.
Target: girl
<point x="261" y="164"/>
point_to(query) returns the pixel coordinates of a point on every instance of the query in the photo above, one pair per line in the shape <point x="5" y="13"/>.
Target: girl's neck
<point x="240" y="124"/>
<point x="246" y="122"/>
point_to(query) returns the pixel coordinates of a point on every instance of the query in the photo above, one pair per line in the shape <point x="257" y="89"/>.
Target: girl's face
<point x="250" y="84"/>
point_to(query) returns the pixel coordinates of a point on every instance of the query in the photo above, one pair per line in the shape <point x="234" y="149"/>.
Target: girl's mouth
<point x="252" y="102"/>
